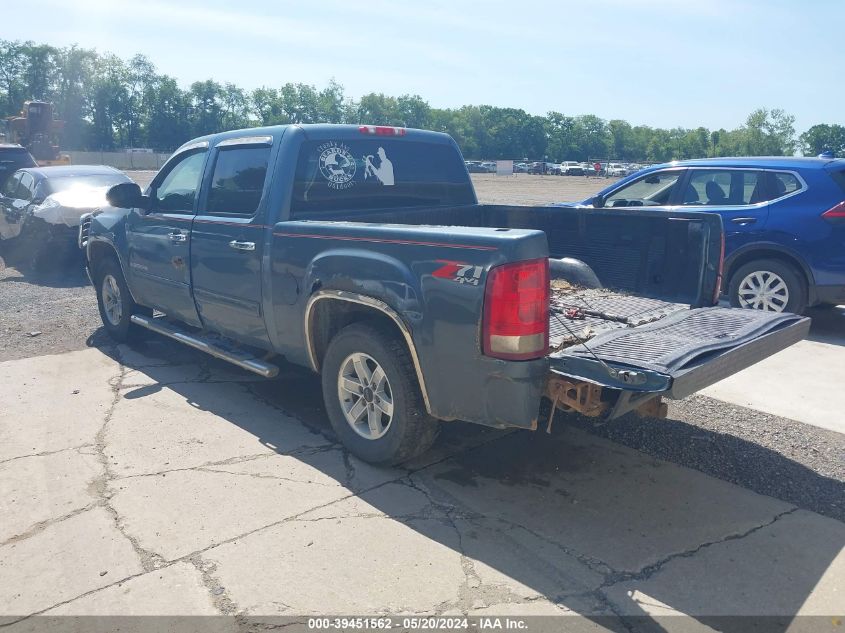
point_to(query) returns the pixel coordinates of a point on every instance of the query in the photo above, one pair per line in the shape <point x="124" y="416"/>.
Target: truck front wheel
<point x="115" y="301"/>
<point x="372" y="397"/>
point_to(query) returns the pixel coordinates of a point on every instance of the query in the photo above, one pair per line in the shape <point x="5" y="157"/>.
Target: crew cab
<point x="362" y="253"/>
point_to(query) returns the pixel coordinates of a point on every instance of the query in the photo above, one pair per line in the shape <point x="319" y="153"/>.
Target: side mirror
<point x="126" y="195"/>
<point x="597" y="201"/>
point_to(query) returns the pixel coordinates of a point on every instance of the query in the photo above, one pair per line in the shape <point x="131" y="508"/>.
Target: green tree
<point x="823" y="137"/>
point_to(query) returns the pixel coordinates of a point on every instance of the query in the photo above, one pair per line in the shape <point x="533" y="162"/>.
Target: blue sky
<point x="656" y="62"/>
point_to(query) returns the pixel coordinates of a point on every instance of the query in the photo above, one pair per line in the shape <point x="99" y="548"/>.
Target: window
<point x="10" y="189"/>
<point x="25" y="188"/>
<point x="238" y="180"/>
<point x="782" y="184"/>
<point x="724" y="188"/>
<point x="839" y="178"/>
<point x="378" y="173"/>
<point x="652" y="190"/>
<point x="178" y="189"/>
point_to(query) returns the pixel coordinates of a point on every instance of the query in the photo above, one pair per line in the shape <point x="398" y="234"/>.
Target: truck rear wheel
<point x="372" y="397"/>
<point x="115" y="301"/>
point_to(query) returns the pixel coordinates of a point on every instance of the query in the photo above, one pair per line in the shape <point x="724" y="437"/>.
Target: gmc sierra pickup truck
<point x="362" y="253"/>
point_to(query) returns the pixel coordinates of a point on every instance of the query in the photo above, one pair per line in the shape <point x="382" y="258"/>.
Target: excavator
<point x="36" y="130"/>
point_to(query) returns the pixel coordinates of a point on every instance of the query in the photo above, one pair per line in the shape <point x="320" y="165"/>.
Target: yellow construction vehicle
<point x="37" y="130"/>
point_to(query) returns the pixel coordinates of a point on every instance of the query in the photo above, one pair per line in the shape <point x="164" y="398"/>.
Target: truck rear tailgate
<point x="678" y="353"/>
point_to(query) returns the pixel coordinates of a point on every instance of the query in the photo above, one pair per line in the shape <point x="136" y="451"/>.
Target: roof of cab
<point x="319" y="131"/>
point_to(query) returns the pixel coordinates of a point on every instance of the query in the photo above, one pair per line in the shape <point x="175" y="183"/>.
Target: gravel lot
<point x="798" y="463"/>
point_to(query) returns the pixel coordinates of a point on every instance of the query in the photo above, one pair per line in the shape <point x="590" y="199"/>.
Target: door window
<point x="238" y="181"/>
<point x="178" y="189"/>
<point x="724" y="188"/>
<point x="25" y="187"/>
<point x="654" y="189"/>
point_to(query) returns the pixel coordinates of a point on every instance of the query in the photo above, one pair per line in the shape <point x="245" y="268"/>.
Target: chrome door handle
<point x="242" y="246"/>
<point x="743" y="220"/>
<point x="177" y="237"/>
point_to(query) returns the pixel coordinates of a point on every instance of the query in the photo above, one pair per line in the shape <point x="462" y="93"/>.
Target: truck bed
<point x="579" y="314"/>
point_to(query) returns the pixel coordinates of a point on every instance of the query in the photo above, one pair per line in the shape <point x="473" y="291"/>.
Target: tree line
<point x="109" y="103"/>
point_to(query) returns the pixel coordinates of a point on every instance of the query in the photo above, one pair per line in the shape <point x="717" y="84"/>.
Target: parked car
<point x="571" y="168"/>
<point x="784" y="220"/>
<point x="474" y="167"/>
<point x="616" y="170"/>
<point x="521" y="168"/>
<point x="12" y="158"/>
<point x="405" y="294"/>
<point x="488" y="167"/>
<point x="40" y="209"/>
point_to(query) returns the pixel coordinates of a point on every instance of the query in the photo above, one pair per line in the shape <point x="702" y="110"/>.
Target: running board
<point x="241" y="359"/>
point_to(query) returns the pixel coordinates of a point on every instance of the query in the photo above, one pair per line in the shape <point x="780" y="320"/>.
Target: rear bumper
<point x="498" y="393"/>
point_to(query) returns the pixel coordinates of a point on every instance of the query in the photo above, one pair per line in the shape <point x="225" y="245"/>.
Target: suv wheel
<point x="770" y="285"/>
<point x="372" y="397"/>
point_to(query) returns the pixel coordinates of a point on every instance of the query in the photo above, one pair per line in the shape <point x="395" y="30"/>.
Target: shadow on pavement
<point x="828" y="325"/>
<point x="598" y="528"/>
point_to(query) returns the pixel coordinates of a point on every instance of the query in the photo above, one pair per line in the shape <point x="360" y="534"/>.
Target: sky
<point x="663" y="63"/>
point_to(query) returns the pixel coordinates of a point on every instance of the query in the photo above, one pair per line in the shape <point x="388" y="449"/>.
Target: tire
<point x="784" y="287"/>
<point x="389" y="440"/>
<point x="115" y="301"/>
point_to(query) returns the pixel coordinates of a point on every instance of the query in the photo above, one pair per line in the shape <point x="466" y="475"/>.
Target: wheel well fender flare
<point x="365" y="307"/>
<point x="765" y="250"/>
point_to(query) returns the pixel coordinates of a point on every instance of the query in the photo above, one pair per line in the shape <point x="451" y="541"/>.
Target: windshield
<point x="652" y="190"/>
<point x="93" y="181"/>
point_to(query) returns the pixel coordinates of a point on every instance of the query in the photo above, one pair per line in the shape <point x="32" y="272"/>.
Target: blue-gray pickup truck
<point x="362" y="253"/>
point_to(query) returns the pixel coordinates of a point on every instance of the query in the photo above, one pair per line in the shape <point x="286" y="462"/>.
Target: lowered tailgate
<point x="681" y="353"/>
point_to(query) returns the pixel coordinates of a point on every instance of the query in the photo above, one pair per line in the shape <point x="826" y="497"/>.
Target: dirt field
<point x="528" y="189"/>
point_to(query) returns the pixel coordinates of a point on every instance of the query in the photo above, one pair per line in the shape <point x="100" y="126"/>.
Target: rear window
<point x="12" y="159"/>
<point x="378" y="173"/>
<point x="839" y="178"/>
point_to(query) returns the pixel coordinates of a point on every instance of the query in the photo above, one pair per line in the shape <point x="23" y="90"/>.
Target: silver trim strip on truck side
<point x="340" y="295"/>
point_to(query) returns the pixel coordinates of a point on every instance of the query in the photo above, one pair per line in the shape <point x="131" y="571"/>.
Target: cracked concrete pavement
<point x="156" y="481"/>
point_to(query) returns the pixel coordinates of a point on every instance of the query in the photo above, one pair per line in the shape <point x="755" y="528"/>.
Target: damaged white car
<point x="40" y="208"/>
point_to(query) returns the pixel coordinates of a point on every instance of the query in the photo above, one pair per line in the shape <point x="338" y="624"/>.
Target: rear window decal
<point x="337" y="165"/>
<point x="379" y="167"/>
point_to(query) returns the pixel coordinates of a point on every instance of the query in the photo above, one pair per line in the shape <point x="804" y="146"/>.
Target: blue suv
<point x="784" y="220"/>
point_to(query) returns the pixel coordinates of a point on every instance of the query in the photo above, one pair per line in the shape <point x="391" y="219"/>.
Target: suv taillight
<point x="516" y="310"/>
<point x="836" y="213"/>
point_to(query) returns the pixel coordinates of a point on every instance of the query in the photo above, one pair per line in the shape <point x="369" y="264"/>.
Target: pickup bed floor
<point x="579" y="314"/>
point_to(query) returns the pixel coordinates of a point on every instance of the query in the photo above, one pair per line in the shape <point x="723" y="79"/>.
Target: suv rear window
<point x="378" y="173"/>
<point x="12" y="159"/>
<point x="839" y="178"/>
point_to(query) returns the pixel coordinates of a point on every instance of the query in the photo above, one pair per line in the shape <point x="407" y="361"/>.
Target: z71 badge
<point x="460" y="272"/>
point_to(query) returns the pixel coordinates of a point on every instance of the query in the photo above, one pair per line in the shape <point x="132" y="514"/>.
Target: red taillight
<point x="836" y="212"/>
<point x="516" y="310"/>
<point x="718" y="289"/>
<point x="381" y="130"/>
